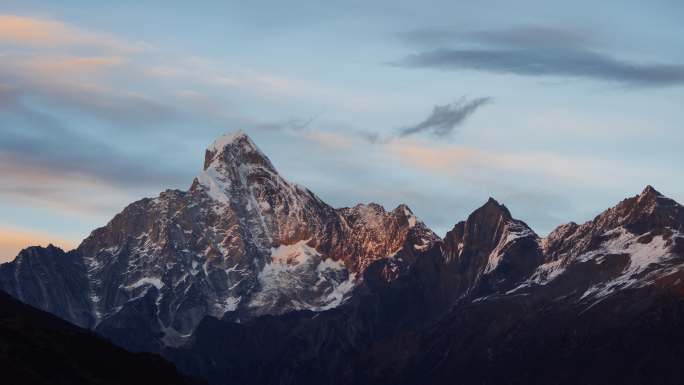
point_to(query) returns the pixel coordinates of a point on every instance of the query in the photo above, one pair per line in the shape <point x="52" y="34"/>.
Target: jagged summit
<point x="652" y="198"/>
<point x="650" y="191"/>
<point x="233" y="150"/>
<point x="632" y="237"/>
<point x="492" y="210"/>
<point x="228" y="138"/>
<point x="487" y="220"/>
<point x="642" y="212"/>
<point x="233" y="165"/>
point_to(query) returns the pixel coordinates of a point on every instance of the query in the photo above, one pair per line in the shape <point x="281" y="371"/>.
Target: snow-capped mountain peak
<point x="241" y="242"/>
<point x="233" y="162"/>
<point x="234" y="149"/>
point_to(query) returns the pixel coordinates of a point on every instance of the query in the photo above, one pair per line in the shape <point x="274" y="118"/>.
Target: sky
<point x="557" y="109"/>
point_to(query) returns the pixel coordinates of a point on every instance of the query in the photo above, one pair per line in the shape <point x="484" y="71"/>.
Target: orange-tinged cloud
<point x="433" y="158"/>
<point x="455" y="160"/>
<point x="13" y="240"/>
<point x="50" y="33"/>
<point x="330" y="139"/>
<point x="57" y="189"/>
<point x="24" y="30"/>
<point x="60" y="66"/>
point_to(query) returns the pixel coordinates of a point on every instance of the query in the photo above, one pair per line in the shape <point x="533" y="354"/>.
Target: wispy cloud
<point x="80" y="83"/>
<point x="533" y="51"/>
<point x="37" y="139"/>
<point x="293" y="124"/>
<point x="489" y="166"/>
<point x="38" y="32"/>
<point x="70" y="194"/>
<point x="445" y="118"/>
<point x="441" y="123"/>
<point x="84" y="111"/>
<point x="70" y="65"/>
<point x="330" y="139"/>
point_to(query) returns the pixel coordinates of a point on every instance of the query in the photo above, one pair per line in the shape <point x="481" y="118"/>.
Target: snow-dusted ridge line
<point x="649" y="257"/>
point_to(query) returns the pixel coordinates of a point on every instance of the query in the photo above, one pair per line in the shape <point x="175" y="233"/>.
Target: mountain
<point x="39" y="348"/>
<point x="240" y="243"/>
<point x="248" y="278"/>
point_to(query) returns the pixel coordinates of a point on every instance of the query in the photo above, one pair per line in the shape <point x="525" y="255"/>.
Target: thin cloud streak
<point x="533" y="52"/>
<point x="476" y="163"/>
<point x="534" y="62"/>
<point x="98" y="101"/>
<point x="37" y="32"/>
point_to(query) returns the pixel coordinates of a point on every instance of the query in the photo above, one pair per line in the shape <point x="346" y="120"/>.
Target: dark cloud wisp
<point x="532" y="52"/>
<point x="445" y="118"/>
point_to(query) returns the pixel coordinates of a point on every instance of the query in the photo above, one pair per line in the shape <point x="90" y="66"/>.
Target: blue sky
<point x="557" y="110"/>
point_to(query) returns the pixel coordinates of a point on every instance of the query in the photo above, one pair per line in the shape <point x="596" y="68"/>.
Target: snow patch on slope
<point x="293" y="254"/>
<point x="642" y="256"/>
<point x="512" y="232"/>
<point x="303" y="279"/>
<point x="548" y="272"/>
<point x="647" y="262"/>
<point x="412" y="220"/>
<point x="226" y="139"/>
<point x="339" y="294"/>
<point x="215" y="185"/>
<point x="230" y="304"/>
<point x="152" y="281"/>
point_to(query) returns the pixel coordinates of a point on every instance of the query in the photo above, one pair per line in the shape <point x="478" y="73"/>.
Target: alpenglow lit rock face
<point x="241" y="242"/>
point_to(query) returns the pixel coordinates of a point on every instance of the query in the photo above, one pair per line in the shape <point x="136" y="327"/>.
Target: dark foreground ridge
<point x="39" y="348"/>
